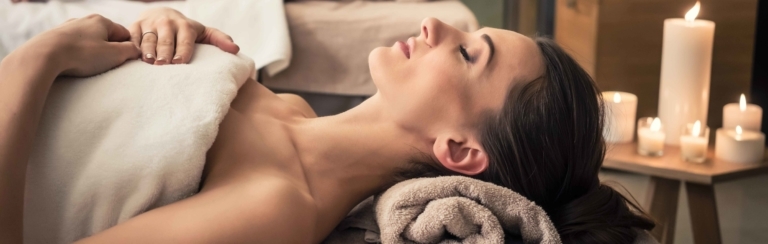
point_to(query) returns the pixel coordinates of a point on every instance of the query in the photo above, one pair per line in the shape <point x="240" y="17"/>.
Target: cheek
<point x="447" y="78"/>
<point x="438" y="90"/>
<point x="433" y="87"/>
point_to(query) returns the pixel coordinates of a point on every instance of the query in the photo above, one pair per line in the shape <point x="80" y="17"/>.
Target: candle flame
<point x="738" y="130"/>
<point x="696" y="131"/>
<point x="656" y="124"/>
<point x="616" y="98"/>
<point x="743" y="103"/>
<point x="691" y="15"/>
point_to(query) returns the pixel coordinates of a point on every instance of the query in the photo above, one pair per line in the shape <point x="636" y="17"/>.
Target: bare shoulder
<point x="266" y="210"/>
<point x="299" y="103"/>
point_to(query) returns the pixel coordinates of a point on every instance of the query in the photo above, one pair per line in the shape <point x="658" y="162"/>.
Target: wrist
<point x="44" y="56"/>
<point x="41" y="63"/>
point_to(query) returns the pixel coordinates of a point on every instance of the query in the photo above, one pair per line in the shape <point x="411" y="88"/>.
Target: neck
<point x="350" y="156"/>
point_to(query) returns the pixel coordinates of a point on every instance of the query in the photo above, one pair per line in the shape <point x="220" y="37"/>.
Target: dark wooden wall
<point x="619" y="43"/>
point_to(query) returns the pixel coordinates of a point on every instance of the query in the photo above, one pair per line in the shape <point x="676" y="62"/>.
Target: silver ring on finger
<point x="148" y="32"/>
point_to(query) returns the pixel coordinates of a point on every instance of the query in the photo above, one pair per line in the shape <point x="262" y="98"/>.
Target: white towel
<point x="253" y="24"/>
<point x="113" y="146"/>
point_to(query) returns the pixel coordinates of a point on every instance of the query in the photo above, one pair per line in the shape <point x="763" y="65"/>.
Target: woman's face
<point x="446" y="77"/>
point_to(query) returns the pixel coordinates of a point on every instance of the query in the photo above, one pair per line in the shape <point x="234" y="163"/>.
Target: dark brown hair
<point x="547" y="144"/>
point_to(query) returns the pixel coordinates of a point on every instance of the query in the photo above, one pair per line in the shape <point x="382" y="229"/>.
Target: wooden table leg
<point x="704" y="222"/>
<point x="662" y="204"/>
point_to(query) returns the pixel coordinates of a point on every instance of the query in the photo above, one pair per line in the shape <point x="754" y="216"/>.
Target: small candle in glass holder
<point x="650" y="137"/>
<point x="694" y="142"/>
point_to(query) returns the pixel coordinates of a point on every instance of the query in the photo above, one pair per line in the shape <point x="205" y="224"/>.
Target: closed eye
<point x="464" y="53"/>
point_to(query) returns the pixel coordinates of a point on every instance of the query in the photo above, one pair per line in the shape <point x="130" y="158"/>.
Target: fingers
<point x="135" y="30"/>
<point x="166" y="43"/>
<point x="185" y="46"/>
<point x="217" y="38"/>
<point x="125" y="51"/>
<point x="115" y="31"/>
<point x="148" y="46"/>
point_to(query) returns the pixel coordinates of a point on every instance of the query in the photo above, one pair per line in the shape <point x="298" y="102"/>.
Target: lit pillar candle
<point x="694" y="142"/>
<point x="748" y="116"/>
<point x="739" y="146"/>
<point x="650" y="137"/>
<point x="686" y="61"/>
<point x="620" y="109"/>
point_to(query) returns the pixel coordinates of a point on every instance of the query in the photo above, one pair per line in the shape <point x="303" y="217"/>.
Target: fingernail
<point x="149" y="58"/>
<point x="160" y="61"/>
<point x="176" y="59"/>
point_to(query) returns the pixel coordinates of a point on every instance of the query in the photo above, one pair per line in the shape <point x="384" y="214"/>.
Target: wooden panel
<point x="732" y="54"/>
<point x="576" y="30"/>
<point x="629" y="49"/>
<point x="528" y="17"/>
<point x="624" y="157"/>
<point x="623" y="50"/>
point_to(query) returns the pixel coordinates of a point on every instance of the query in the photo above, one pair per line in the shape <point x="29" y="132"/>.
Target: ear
<point x="462" y="155"/>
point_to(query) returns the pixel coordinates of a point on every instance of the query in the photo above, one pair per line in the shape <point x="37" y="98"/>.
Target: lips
<point x="405" y="48"/>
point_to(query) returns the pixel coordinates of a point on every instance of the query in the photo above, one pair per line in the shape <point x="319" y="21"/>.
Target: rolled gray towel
<point x="456" y="209"/>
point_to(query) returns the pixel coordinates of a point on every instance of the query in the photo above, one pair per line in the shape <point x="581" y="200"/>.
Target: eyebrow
<point x="490" y="46"/>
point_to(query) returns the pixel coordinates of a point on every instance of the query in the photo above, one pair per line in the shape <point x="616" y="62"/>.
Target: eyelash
<point x="464" y="53"/>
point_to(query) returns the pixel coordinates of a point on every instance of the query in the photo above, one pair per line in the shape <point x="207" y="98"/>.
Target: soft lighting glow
<point x="743" y="103"/>
<point x="696" y="130"/>
<point x="656" y="124"/>
<point x="738" y="130"/>
<point x="616" y="98"/>
<point x="691" y="15"/>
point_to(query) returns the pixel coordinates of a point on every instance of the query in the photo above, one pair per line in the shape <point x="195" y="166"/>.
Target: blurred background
<point x="529" y="17"/>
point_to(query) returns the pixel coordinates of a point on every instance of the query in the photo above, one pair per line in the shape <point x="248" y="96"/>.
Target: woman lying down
<point x="492" y="105"/>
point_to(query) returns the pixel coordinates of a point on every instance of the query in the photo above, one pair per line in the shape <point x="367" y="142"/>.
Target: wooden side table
<point x="666" y="174"/>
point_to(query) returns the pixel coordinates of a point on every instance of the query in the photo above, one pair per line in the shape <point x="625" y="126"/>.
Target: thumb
<point x="217" y="38"/>
<point x="125" y="50"/>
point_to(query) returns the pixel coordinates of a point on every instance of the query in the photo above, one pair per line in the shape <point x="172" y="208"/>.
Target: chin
<point x="376" y="62"/>
<point x="385" y="67"/>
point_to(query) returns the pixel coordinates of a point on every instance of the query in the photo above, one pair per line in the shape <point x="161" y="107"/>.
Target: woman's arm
<point x="264" y="209"/>
<point x="80" y="47"/>
<point x="24" y="82"/>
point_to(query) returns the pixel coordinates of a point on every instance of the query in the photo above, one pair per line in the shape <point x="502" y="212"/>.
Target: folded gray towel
<point x="456" y="209"/>
<point x="451" y="209"/>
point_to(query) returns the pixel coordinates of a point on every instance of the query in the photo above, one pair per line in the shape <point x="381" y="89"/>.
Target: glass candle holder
<point x="694" y="142"/>
<point x="650" y="137"/>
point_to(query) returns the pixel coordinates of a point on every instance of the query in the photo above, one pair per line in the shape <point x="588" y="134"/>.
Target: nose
<point x="431" y="30"/>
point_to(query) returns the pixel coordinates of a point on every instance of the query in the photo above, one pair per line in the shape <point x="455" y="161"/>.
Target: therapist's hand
<point x="82" y="47"/>
<point x="166" y="36"/>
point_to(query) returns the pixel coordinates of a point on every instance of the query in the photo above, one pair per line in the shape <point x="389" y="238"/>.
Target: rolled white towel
<point x="115" y="145"/>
